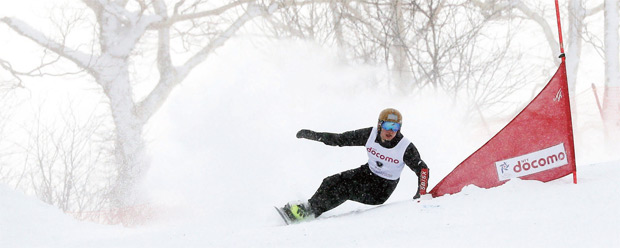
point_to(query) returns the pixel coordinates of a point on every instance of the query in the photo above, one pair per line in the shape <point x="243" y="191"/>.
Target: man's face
<point x="389" y="130"/>
<point x="387" y="135"/>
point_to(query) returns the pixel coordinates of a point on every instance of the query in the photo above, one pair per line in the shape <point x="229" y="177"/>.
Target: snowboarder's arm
<point x="350" y="138"/>
<point x="415" y="163"/>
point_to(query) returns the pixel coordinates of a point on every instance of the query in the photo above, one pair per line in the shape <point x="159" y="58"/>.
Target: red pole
<point x="557" y="14"/>
<point x="598" y="103"/>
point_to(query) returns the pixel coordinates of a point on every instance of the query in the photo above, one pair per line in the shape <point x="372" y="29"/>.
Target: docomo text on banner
<point x="532" y="163"/>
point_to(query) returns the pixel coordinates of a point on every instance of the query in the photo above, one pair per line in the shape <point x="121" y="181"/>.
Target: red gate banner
<point x="536" y="145"/>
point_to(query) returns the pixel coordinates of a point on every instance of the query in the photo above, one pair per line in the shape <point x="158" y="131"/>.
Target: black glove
<point x="307" y="134"/>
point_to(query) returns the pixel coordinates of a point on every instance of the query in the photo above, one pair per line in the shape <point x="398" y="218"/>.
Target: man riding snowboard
<point x="372" y="183"/>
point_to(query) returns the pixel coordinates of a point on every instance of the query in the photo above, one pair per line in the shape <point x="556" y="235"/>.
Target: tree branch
<point x="199" y="57"/>
<point x="81" y="59"/>
<point x="95" y="5"/>
<point x="218" y="11"/>
<point x="167" y="71"/>
<point x="549" y="35"/>
<point x="173" y="76"/>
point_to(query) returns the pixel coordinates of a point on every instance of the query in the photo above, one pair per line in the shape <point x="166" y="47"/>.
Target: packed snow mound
<point x="28" y="222"/>
<point x="518" y="214"/>
<point x="27" y="211"/>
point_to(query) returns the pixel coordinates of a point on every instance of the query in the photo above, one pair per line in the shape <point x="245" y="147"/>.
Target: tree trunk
<point x="577" y="14"/>
<point x="129" y="143"/>
<point x="398" y="51"/>
<point x="611" y="100"/>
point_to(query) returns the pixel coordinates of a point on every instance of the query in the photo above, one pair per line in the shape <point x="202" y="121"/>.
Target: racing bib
<point x="387" y="163"/>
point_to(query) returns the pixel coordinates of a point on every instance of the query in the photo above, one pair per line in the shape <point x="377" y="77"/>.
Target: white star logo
<point x="558" y="96"/>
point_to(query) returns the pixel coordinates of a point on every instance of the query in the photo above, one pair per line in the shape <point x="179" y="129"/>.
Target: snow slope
<point x="224" y="153"/>
<point x="518" y="214"/>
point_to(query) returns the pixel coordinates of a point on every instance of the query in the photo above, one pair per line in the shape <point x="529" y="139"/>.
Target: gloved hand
<point x="307" y="134"/>
<point x="422" y="182"/>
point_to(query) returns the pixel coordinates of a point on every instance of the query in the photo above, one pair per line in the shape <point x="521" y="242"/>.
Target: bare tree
<point x="5" y="171"/>
<point x="121" y="27"/>
<point x="578" y="33"/>
<point x="7" y="150"/>
<point x="440" y="44"/>
<point x="611" y="102"/>
<point x="62" y="165"/>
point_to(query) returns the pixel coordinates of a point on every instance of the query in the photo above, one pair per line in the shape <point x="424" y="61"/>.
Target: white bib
<point x="387" y="163"/>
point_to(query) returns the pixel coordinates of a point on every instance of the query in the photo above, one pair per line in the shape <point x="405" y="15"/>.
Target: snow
<point x="224" y="153"/>
<point x="518" y="214"/>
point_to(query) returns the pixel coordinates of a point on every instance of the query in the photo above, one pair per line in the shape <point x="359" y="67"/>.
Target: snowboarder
<point x="372" y="183"/>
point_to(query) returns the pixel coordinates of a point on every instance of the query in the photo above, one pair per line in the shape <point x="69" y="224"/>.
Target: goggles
<point x="388" y="125"/>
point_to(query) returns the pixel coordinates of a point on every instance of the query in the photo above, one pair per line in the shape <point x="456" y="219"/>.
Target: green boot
<point x="299" y="211"/>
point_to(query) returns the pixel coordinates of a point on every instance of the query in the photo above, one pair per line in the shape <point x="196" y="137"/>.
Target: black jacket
<point x="359" y="137"/>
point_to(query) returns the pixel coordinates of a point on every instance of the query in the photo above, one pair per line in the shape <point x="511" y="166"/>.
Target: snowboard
<point x="284" y="216"/>
<point x="423" y="200"/>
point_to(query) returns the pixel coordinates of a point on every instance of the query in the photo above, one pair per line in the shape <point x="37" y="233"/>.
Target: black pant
<point x="360" y="185"/>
